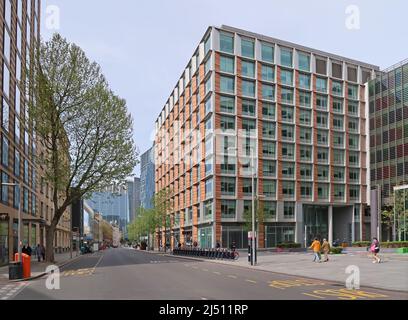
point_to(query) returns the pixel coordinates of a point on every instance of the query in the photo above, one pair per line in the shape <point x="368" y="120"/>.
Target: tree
<point x="389" y="216"/>
<point x="84" y="129"/>
<point x="163" y="205"/>
<point x="259" y="216"/>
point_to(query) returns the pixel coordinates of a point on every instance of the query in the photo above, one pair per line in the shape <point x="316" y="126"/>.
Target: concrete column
<point x="330" y="227"/>
<point x="353" y="225"/>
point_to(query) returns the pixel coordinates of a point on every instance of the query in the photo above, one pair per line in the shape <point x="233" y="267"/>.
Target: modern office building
<point x="113" y="204"/>
<point x="133" y="191"/>
<point x="294" y="116"/>
<point x="147" y="174"/>
<point x="388" y="107"/>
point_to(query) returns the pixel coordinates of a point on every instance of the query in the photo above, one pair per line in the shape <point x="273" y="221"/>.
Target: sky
<point x="144" y="46"/>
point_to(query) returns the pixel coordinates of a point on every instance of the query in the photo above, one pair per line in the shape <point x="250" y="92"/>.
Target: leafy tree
<point x="259" y="216"/>
<point x="163" y="206"/>
<point x="84" y="129"/>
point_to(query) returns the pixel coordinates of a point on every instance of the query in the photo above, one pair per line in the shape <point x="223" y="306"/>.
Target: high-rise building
<point x="133" y="187"/>
<point x="388" y="109"/>
<point x="293" y="116"/>
<point x="147" y="182"/>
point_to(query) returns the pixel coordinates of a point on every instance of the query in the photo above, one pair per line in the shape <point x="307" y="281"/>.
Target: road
<point x="130" y="274"/>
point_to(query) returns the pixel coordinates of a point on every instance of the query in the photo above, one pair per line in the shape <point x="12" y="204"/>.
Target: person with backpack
<point x="375" y="248"/>
<point x="316" y="250"/>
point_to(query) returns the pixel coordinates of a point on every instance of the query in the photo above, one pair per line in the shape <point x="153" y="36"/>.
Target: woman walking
<point x="375" y="248"/>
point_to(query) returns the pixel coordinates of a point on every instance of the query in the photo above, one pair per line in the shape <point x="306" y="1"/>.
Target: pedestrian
<point x="375" y="248"/>
<point x="43" y="252"/>
<point x="316" y="250"/>
<point x="218" y="245"/>
<point x="233" y="246"/>
<point x="24" y="250"/>
<point x="326" y="249"/>
<point x="29" y="250"/>
<point x="38" y="252"/>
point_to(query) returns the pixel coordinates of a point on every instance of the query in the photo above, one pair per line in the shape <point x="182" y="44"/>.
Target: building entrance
<point x="315" y="222"/>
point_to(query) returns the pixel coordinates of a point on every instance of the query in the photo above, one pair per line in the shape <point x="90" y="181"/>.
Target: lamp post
<point x="19" y="215"/>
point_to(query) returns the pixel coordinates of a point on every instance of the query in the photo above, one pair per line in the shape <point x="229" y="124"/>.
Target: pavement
<point x="128" y="274"/>
<point x="390" y="274"/>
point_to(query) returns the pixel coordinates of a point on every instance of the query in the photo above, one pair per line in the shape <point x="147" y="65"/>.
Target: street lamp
<point x="19" y="215"/>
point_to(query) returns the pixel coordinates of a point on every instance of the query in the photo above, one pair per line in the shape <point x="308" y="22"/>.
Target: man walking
<point x="38" y="252"/>
<point x="316" y="250"/>
<point x="326" y="249"/>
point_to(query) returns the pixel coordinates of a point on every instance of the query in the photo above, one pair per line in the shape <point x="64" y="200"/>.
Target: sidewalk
<point x="391" y="274"/>
<point x="38" y="268"/>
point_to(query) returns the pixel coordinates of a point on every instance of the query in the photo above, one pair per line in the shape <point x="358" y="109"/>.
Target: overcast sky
<point x="143" y="46"/>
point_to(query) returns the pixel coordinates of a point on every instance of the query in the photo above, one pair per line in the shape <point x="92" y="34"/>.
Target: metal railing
<point x="207" y="253"/>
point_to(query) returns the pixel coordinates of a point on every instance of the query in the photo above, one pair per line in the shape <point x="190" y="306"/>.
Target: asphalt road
<point x="130" y="274"/>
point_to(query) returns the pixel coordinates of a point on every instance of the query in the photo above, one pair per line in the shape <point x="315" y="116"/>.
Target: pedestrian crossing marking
<point x="78" y="272"/>
<point x="346" y="294"/>
<point x="284" y="284"/>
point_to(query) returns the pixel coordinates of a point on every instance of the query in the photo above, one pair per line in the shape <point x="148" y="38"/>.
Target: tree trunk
<point x="49" y="244"/>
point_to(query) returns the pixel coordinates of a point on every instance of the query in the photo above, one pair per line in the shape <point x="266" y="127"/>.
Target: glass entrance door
<point x="316" y="222"/>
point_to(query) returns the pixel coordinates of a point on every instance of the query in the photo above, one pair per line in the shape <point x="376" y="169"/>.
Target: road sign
<point x="250" y="234"/>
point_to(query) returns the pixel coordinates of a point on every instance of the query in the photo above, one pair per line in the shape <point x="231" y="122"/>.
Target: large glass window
<point x="269" y="188"/>
<point x="227" y="64"/>
<point x="286" y="57"/>
<point x="249" y="125"/>
<point x="338" y="123"/>
<point x="268" y="110"/>
<point x="322" y="155"/>
<point x="267" y="52"/>
<point x="287" y="77"/>
<point x="287" y="95"/>
<point x="288" y="191"/>
<point x="323" y="173"/>
<point x="228" y="165"/>
<point x="269" y="209"/>
<point x="227" y="84"/>
<point x="228" y="209"/>
<point x="306" y="171"/>
<point x="6" y="116"/>
<point x="305" y="135"/>
<point x="338" y="157"/>
<point x="306" y="190"/>
<point x="209" y="188"/>
<point x="321" y="120"/>
<point x="323" y="191"/>
<point x="338" y="174"/>
<point x="287" y="132"/>
<point x="268" y="129"/>
<point x="321" y="85"/>
<point x="227" y="123"/>
<point x="338" y="139"/>
<point x="268" y="73"/>
<point x="248" y="107"/>
<point x="16" y="163"/>
<point x="268" y="149"/>
<point x="287" y="113"/>
<point x="353" y="92"/>
<point x="288" y="170"/>
<point x="321" y="102"/>
<point x="228" y="186"/>
<point x="4" y="189"/>
<point x="337" y="88"/>
<point x="305" y="99"/>
<point x="6" y="80"/>
<point x="354" y="158"/>
<point x="247" y="48"/>
<point x="353" y="125"/>
<point x="269" y="168"/>
<point x="248" y="88"/>
<point x="338" y="191"/>
<point x="338" y="105"/>
<point x="288" y="151"/>
<point x="247" y="186"/>
<point x="305" y="153"/>
<point x="268" y="92"/>
<point x="322" y="138"/>
<point x="354" y="142"/>
<point x="305" y="117"/>
<point x="304" y="61"/>
<point x="304" y="81"/>
<point x="5" y="151"/>
<point x="227" y="104"/>
<point x="226" y="43"/>
<point x="248" y="69"/>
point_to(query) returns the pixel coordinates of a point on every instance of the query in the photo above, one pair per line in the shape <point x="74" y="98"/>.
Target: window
<point x="269" y="209"/>
<point x="322" y="155"/>
<point x="227" y="186"/>
<point x="306" y="171"/>
<point x="268" y="130"/>
<point x="269" y="168"/>
<point x="227" y="104"/>
<point x="288" y="170"/>
<point x="26" y="171"/>
<point x="6" y="79"/>
<point x="248" y="69"/>
<point x="248" y="88"/>
<point x="267" y="52"/>
<point x="338" y="139"/>
<point x="286" y="77"/>
<point x="352" y="92"/>
<point x="354" y="158"/>
<point x="268" y="92"/>
<point x="305" y="135"/>
<point x="227" y="64"/>
<point x="322" y="138"/>
<point x="247" y="48"/>
<point x="323" y="191"/>
<point x="288" y="190"/>
<point x="338" y="123"/>
<point x="269" y="188"/>
<point x="339" y="192"/>
<point x="208" y="210"/>
<point x="321" y="102"/>
<point x="306" y="190"/>
<point x="16" y="163"/>
<point x="305" y="153"/>
<point x="354" y="192"/>
<point x="353" y="108"/>
<point x="322" y="173"/>
<point x="208" y="126"/>
<point x="304" y="61"/>
<point x="287" y="113"/>
<point x="247" y="186"/>
<point x="227" y="84"/>
<point x="25" y="198"/>
<point x="353" y="142"/>
<point x="321" y="85"/>
<point x="208" y="166"/>
<point x="304" y="81"/>
<point x="208" y="146"/>
<point x="286" y="57"/>
<point x="338" y="174"/>
<point x="209" y="188"/>
<point x="228" y="209"/>
<point x="227" y="123"/>
<point x="321" y="120"/>
<point x="226" y="43"/>
<point x="288" y="152"/>
<point x="354" y="175"/>
<point x="248" y="107"/>
<point x="337" y="105"/>
<point x="321" y="66"/>
<point x="249" y="125"/>
<point x="305" y="99"/>
<point x="338" y="157"/>
<point x="268" y="110"/>
<point x="337" y="88"/>
<point x="208" y="85"/>
<point x="287" y="95"/>
<point x="208" y="105"/>
<point x="5" y="151"/>
<point x="4" y="189"/>
<point x="305" y="117"/>
<point x="268" y="73"/>
<point x="207" y="66"/>
<point x="268" y="149"/>
<point x="228" y="165"/>
<point x="353" y="125"/>
<point x="207" y="45"/>
<point x="287" y="133"/>
<point x="6" y="116"/>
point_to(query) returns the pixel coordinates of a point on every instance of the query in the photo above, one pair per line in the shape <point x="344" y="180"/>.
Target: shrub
<point x="287" y="245"/>
<point x="394" y="244"/>
<point x="336" y="250"/>
<point x="361" y="244"/>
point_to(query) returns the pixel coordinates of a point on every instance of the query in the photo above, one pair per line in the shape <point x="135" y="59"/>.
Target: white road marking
<point x="251" y="281"/>
<point x="231" y="276"/>
<point x="216" y="272"/>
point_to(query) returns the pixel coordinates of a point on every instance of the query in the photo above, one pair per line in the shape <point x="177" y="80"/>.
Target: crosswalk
<point x="78" y="272"/>
<point x="8" y="291"/>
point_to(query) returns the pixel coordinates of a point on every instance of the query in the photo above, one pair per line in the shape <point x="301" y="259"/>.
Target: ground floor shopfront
<point x="345" y="223"/>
